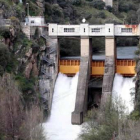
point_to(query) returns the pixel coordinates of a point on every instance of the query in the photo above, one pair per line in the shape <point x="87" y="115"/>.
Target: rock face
<point x="40" y="4"/>
<point x="28" y="70"/>
<point x="49" y="71"/>
<point x="7" y="11"/>
<point x="31" y="66"/>
<point x="29" y="53"/>
<point x="137" y="87"/>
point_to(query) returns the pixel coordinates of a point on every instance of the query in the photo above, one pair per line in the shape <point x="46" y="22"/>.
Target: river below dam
<point x="58" y="126"/>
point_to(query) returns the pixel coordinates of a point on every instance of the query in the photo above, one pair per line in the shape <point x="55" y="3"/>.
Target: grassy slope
<point x="93" y="11"/>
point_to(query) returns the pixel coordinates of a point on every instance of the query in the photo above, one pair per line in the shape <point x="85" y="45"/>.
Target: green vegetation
<point x="21" y="42"/>
<point x="69" y="47"/>
<point x="137" y="81"/>
<point x="4" y="56"/>
<point x="7" y="61"/>
<point x="27" y="87"/>
<point x="69" y="12"/>
<point x="98" y="4"/>
<point x="109" y="123"/>
<point x="18" y="122"/>
<point x="34" y="9"/>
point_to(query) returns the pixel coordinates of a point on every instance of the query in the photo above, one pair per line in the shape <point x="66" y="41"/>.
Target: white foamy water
<point x="58" y="126"/>
<point x="122" y="88"/>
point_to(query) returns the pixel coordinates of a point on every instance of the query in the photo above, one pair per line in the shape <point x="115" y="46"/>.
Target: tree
<point x="4" y="57"/>
<point x="123" y="6"/>
<point x="109" y="8"/>
<point x="138" y="14"/>
<point x="77" y="2"/>
<point x="137" y="85"/>
<point x="17" y="123"/>
<point x="110" y="123"/>
<point x="101" y="15"/>
<point x="37" y="33"/>
<point x="99" y="4"/>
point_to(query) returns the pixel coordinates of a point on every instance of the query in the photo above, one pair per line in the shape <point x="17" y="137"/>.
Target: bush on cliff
<point x="4" y="57"/>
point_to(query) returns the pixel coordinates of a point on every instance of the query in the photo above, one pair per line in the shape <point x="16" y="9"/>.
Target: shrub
<point x="41" y="42"/>
<point x="132" y="17"/>
<point x="4" y="56"/>
<point x="34" y="9"/>
<point x="110" y="123"/>
<point x="5" y="33"/>
<point x="77" y="2"/>
<point x="101" y="15"/>
<point x="37" y="33"/>
<point x="98" y="4"/>
<point x="1" y="70"/>
<point x="57" y="11"/>
<point x="109" y="8"/>
<point x="48" y="9"/>
<point x="16" y="121"/>
<point x="123" y="6"/>
<point x="69" y="47"/>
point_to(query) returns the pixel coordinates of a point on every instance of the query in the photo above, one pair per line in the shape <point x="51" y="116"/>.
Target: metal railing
<point x="49" y="62"/>
<point x="47" y="75"/>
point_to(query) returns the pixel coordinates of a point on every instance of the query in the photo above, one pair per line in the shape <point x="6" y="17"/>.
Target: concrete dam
<point x="71" y="97"/>
<point x="95" y="68"/>
<point x="59" y="123"/>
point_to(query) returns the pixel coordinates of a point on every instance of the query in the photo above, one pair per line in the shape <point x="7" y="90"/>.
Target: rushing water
<point x="58" y="126"/>
<point x="122" y="88"/>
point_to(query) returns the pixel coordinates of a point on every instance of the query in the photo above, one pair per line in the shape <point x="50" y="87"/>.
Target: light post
<point x="83" y="20"/>
<point x="27" y="9"/>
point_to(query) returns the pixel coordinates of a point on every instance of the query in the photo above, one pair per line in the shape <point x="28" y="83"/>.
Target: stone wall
<point x="82" y="88"/>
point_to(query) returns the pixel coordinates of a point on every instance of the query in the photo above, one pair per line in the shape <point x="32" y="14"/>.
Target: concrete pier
<point x="54" y="69"/>
<point x="110" y="52"/>
<point x="82" y="89"/>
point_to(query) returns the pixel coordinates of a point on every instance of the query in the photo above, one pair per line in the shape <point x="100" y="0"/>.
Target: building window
<point x="126" y="30"/>
<point x="52" y="30"/>
<point x="97" y="30"/>
<point x="32" y="21"/>
<point x="84" y="29"/>
<point x="109" y="30"/>
<point x="69" y="29"/>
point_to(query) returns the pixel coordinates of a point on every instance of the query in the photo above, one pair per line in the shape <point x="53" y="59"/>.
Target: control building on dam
<point x="89" y="67"/>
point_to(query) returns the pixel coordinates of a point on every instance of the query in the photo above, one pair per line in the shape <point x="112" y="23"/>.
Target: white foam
<point x="58" y="126"/>
<point x="122" y="88"/>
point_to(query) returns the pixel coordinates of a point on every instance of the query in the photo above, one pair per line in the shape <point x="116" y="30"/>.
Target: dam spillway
<point x="58" y="125"/>
<point x="108" y="68"/>
<point x="122" y="90"/>
<point x="58" y="96"/>
<point x="125" y="63"/>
